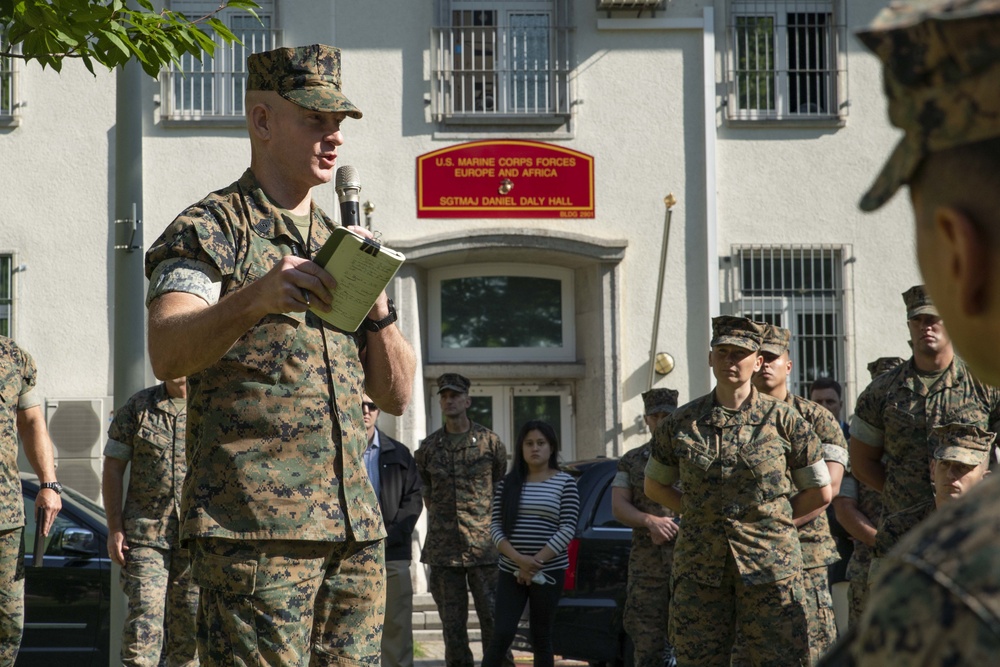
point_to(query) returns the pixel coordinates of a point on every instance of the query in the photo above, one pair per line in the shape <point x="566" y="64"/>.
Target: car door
<point x="66" y="598"/>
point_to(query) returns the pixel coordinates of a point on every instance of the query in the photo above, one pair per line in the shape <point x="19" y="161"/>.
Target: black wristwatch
<point x="372" y="325"/>
<point x="55" y="486"/>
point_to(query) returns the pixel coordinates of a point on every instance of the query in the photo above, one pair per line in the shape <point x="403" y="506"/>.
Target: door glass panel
<point x="481" y="411"/>
<point x="546" y="408"/>
<point x="501" y="311"/>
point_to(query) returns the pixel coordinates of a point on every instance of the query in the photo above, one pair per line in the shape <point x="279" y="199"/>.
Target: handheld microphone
<point x="348" y="185"/>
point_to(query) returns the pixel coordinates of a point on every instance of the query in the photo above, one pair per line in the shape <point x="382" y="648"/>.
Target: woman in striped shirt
<point x="535" y="510"/>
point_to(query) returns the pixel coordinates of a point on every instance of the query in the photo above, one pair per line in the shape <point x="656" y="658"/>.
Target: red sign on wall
<point x="505" y="179"/>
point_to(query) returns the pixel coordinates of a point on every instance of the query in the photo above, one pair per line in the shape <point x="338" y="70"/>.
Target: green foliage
<point x="109" y="32"/>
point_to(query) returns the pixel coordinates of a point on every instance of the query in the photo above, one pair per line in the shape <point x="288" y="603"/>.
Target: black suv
<point x="588" y="622"/>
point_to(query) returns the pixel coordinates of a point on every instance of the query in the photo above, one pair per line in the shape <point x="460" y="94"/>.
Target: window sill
<point x="506" y="119"/>
<point x="803" y="123"/>
<point x="10" y="121"/>
<point x="213" y="122"/>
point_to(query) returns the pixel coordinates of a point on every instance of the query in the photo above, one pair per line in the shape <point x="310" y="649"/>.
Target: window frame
<point x="7" y="302"/>
<point x="796" y="301"/>
<point x="225" y="72"/>
<point x="833" y="77"/>
<point x="495" y="69"/>
<point x="437" y="353"/>
<point x="10" y="113"/>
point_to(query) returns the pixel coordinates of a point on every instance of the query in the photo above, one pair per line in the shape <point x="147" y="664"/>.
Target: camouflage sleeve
<point x="831" y="435"/>
<point x="805" y="456"/>
<point x="420" y="457"/>
<point x="27" y="398"/>
<point x="499" y="461"/>
<point x="994" y="400"/>
<point x="663" y="466"/>
<point x="185" y="275"/>
<point x="621" y="480"/>
<point x="868" y="424"/>
<point x="203" y="235"/>
<point x="121" y="433"/>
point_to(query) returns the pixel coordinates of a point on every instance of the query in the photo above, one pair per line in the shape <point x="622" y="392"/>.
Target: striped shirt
<point x="547" y="517"/>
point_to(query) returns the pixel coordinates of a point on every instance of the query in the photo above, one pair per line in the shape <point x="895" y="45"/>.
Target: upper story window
<point x="6" y="294"/>
<point x="784" y="60"/>
<point x="213" y="87"/>
<point x="504" y="59"/>
<point x="9" y="101"/>
<point x="501" y="312"/>
<point x="804" y="289"/>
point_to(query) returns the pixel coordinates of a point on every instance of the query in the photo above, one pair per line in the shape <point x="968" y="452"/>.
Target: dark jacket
<point x="399" y="498"/>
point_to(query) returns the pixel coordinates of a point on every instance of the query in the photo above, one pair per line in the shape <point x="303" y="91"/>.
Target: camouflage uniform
<point x="648" y="595"/>
<point x="459" y="480"/>
<point x="17" y="381"/>
<point x="896" y="412"/>
<point x="149" y="431"/>
<point x="870" y="504"/>
<point x="286" y="527"/>
<point x="937" y="601"/>
<point x="737" y="558"/>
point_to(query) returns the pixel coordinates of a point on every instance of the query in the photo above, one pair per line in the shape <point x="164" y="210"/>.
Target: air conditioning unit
<point x="78" y="428"/>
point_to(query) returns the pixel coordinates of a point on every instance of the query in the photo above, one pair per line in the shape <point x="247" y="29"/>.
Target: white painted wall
<point x="639" y="112"/>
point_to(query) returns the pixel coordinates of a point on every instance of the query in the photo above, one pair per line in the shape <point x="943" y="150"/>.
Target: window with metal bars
<point x="8" y="81"/>
<point x="800" y="288"/>
<point x="784" y="60"/>
<point x="214" y="86"/>
<point x="500" y="58"/>
<point x="6" y="294"/>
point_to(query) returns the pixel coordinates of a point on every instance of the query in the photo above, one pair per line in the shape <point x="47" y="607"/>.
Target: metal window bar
<point x="802" y="289"/>
<point x="8" y="81"/>
<point x="783" y="59"/>
<point x="6" y="294"/>
<point x="501" y="76"/>
<point x="215" y="87"/>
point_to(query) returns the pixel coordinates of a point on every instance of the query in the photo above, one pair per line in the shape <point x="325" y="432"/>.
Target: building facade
<point x="764" y="118"/>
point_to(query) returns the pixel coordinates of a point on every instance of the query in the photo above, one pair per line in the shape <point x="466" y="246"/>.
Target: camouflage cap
<point x="965" y="443"/>
<point x="942" y="77"/>
<point x="660" y="400"/>
<point x="454" y="382"/>
<point x="775" y="340"/>
<point x="306" y="75"/>
<point x="883" y="365"/>
<point x="738" y="331"/>
<point x="918" y="302"/>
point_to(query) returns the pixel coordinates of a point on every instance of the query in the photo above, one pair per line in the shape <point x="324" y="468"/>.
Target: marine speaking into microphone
<point x="348" y="185"/>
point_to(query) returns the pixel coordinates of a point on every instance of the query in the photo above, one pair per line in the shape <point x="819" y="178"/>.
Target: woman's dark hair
<point x="513" y="483"/>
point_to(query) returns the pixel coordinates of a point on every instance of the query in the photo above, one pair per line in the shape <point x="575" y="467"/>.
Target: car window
<point x="603" y="517"/>
<point x="53" y="541"/>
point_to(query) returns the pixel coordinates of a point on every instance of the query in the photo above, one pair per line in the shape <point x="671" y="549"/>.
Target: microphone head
<point x="347" y="183"/>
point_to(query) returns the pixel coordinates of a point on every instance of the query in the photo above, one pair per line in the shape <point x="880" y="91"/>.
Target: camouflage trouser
<point x="448" y="586"/>
<point x="162" y="607"/>
<point x="857" y="592"/>
<point x="289" y="603"/>
<point x="11" y="594"/>
<point x="647" y="607"/>
<point x="771" y="616"/>
<point x="819" y="612"/>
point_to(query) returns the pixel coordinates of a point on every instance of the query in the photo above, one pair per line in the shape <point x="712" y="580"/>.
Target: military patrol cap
<point x="918" y="302"/>
<point x="454" y="382"/>
<point x="775" y="340"/>
<point x="942" y="77"/>
<point x="883" y="365"/>
<point x="306" y="75"/>
<point x="738" y="331"/>
<point x="965" y="443"/>
<point x="660" y="400"/>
